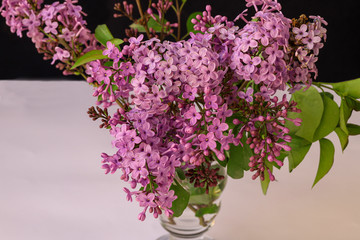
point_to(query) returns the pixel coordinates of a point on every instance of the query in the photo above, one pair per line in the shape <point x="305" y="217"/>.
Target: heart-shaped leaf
<point x="312" y="107"/>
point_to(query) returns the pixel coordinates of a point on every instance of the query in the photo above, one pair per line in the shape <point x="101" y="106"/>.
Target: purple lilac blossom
<point x="180" y="104"/>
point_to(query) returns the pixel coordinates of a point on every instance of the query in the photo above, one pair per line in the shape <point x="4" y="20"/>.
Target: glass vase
<point x="200" y="213"/>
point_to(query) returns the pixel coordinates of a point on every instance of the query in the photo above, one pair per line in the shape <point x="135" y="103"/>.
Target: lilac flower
<point x="223" y="112"/>
<point x="128" y="194"/>
<point x="47" y="13"/>
<point x="151" y="59"/>
<point x="265" y="92"/>
<point x="199" y="57"/>
<point x="175" y="98"/>
<point x="32" y="22"/>
<point x="132" y="139"/>
<point x="139" y="169"/>
<point x="190" y="93"/>
<point x="60" y="54"/>
<point x="300" y="32"/>
<point x="110" y="49"/>
<point x="146" y="200"/>
<point x="139" y="84"/>
<point x="247" y="96"/>
<point x="127" y="68"/>
<point x="273" y="27"/>
<point x="218" y="128"/>
<point x="193" y="115"/>
<point x="211" y="102"/>
<point x="311" y="39"/>
<point x="263" y="37"/>
<point x="168" y="66"/>
<point x="227" y="34"/>
<point x="51" y="27"/>
<point x="167" y="199"/>
<point x="251" y="63"/>
<point x="274" y="53"/>
<point x="136" y="41"/>
<point x="104" y="75"/>
<point x="247" y="43"/>
<point x="207" y="141"/>
<point x="67" y="34"/>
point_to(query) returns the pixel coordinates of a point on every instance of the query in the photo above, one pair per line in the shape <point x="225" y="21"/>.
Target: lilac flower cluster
<point x="171" y="114"/>
<point x="57" y="30"/>
<point x="263" y="50"/>
<point x="184" y="104"/>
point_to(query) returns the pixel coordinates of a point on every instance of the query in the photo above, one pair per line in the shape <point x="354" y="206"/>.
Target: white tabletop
<point x="53" y="188"/>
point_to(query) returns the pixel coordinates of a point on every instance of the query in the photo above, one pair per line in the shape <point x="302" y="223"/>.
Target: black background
<point x="338" y="60"/>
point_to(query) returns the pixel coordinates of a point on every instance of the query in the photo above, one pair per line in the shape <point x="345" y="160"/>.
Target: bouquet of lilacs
<point x="240" y="97"/>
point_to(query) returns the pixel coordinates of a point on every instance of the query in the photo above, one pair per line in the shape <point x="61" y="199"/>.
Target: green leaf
<point x="345" y="113"/>
<point x="88" y="57"/>
<point x="266" y="182"/>
<point x="200" y="197"/>
<point x="239" y="160"/>
<point x="109" y="63"/>
<point x="327" y="94"/>
<point x="353" y="129"/>
<point x="189" y="24"/>
<point x="103" y="34"/>
<point x="312" y="107"/>
<point x="180" y="173"/>
<point x="116" y="41"/>
<point x="299" y="148"/>
<point x="179" y="204"/>
<point x="353" y="104"/>
<point x="207" y="210"/>
<point x="343" y="137"/>
<point x="329" y="120"/>
<point x="151" y="24"/>
<point x="327" y="152"/>
<point x="229" y="122"/>
<point x="348" y="88"/>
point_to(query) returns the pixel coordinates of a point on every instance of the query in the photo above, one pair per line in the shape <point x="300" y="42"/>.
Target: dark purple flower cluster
<point x="183" y="104"/>
<point x="57" y="30"/>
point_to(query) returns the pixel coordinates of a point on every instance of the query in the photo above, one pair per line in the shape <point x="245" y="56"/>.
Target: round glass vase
<point x="200" y="213"/>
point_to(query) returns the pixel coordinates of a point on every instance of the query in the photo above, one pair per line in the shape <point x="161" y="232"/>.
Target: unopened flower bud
<point x="186" y="158"/>
<point x="189" y="130"/>
<point x="236" y="121"/>
<point x="171" y="98"/>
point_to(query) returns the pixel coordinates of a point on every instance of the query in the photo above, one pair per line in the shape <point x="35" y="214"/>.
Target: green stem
<point x="178" y="14"/>
<point x="162" y="23"/>
<point x="143" y="18"/>
<point x="201" y="219"/>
